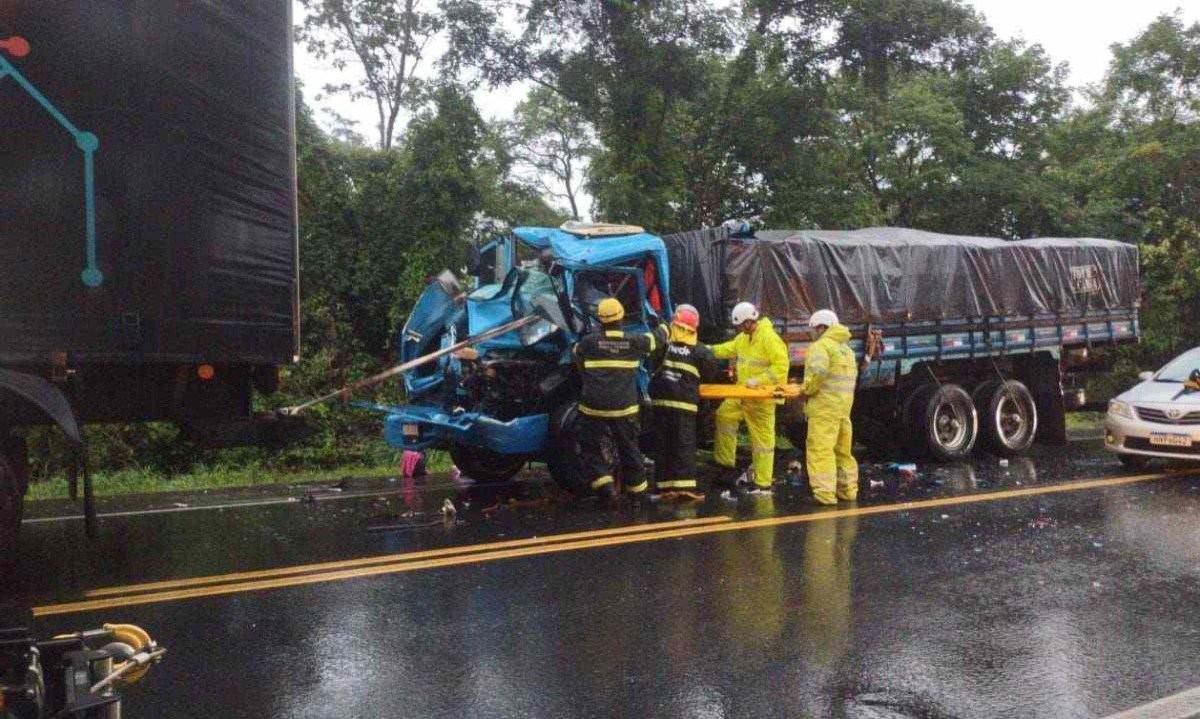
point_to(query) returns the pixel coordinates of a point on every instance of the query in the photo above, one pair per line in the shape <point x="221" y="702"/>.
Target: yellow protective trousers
<point x="832" y="469"/>
<point x="760" y="425"/>
<point x="830" y="375"/>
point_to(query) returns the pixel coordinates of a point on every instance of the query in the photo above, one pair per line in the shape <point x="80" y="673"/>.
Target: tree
<point x="552" y="138"/>
<point x="386" y="38"/>
<point x="880" y="39"/>
<point x="374" y="225"/>
<point x="910" y="147"/>
<point x="630" y="67"/>
<point x="1130" y="166"/>
<point x="1011" y="97"/>
<point x="1157" y="75"/>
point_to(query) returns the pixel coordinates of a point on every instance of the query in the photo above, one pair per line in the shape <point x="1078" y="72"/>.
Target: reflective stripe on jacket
<point x="676" y="384"/>
<point x="831" y="372"/>
<point x="609" y="361"/>
<point x="762" y="356"/>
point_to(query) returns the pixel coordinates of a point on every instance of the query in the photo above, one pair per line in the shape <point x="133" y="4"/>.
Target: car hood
<point x="1161" y="393"/>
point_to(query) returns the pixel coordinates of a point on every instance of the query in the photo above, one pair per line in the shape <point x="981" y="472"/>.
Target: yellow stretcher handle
<point x="737" y="391"/>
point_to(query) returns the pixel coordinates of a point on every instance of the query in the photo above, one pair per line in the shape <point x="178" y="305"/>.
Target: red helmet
<point x="687" y="316"/>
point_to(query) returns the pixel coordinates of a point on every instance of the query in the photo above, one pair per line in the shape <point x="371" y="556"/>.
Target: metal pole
<point x="412" y="364"/>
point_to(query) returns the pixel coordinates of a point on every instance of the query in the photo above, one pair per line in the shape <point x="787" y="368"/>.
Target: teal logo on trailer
<point x="85" y="141"/>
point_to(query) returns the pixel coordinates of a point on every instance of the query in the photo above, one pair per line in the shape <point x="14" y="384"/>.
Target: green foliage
<point x="1130" y="166"/>
<point x="1157" y="75"/>
<point x="680" y="113"/>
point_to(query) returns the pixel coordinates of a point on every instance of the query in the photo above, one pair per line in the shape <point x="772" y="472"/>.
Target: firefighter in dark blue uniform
<point x="608" y="408"/>
<point x="675" y="394"/>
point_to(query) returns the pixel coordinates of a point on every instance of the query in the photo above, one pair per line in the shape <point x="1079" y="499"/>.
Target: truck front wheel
<point x="943" y="422"/>
<point x="485" y="465"/>
<point x="563" y="451"/>
<point x="1008" y="417"/>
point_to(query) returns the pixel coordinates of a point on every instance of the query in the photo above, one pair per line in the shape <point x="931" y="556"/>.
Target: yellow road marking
<point x="398" y="557"/>
<point x="574" y="543"/>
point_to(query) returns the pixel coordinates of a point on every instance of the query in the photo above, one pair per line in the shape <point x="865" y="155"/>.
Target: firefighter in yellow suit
<point x="830" y="376"/>
<point x="762" y="360"/>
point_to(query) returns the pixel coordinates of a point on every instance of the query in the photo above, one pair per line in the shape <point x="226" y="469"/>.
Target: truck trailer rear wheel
<point x="12" y="497"/>
<point x="942" y="421"/>
<point x="1008" y="417"/>
<point x="485" y="465"/>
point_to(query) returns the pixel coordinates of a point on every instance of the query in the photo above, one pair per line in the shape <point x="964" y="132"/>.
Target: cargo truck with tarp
<point x="148" y="238"/>
<point x="963" y="339"/>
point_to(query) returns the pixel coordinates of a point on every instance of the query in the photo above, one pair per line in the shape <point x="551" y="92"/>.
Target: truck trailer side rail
<point x="977" y="339"/>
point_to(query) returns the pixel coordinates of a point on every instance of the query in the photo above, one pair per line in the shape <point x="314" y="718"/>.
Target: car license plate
<point x="411" y="430"/>
<point x="1170" y="440"/>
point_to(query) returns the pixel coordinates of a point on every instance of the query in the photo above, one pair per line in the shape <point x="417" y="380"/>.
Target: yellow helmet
<point x="610" y="310"/>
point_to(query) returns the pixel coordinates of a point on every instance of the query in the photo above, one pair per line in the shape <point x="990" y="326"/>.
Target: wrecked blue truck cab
<point x="511" y="399"/>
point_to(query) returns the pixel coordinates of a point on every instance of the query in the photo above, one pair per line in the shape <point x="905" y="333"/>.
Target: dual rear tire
<point x="1008" y="417"/>
<point x="946" y="423"/>
<point x="942" y="422"/>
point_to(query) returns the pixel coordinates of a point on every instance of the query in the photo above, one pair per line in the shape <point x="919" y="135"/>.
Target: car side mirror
<point x="1146" y="376"/>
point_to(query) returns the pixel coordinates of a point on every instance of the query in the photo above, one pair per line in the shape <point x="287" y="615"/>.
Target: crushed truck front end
<point x="507" y="400"/>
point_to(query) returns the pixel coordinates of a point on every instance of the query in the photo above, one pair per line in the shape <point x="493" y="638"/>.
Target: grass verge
<point x="144" y="481"/>
<point x="1085" y="420"/>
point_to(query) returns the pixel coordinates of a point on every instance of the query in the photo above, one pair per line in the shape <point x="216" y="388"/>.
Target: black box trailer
<point x="148" y="238"/>
<point x="970" y="338"/>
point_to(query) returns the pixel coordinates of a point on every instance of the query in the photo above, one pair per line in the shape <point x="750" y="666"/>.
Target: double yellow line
<point x="239" y="582"/>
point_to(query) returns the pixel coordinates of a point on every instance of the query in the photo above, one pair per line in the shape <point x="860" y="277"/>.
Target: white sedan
<point x="1160" y="417"/>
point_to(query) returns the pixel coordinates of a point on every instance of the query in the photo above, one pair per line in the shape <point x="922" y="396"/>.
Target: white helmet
<point x="742" y="312"/>
<point x="823" y="318"/>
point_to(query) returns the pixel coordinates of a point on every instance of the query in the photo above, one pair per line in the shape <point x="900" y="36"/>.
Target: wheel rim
<point x="1012" y="421"/>
<point x="949" y="425"/>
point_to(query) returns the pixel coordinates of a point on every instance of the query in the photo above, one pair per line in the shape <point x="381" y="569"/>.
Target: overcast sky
<point x="1078" y="32"/>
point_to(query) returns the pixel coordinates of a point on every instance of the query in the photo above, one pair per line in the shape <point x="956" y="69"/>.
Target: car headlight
<point x="1120" y="409"/>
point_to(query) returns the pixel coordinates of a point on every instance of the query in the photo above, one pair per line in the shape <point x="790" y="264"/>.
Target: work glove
<point x="754" y="383"/>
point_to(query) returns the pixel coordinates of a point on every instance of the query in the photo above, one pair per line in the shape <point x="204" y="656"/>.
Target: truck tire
<point x="563" y="450"/>
<point x="1008" y="417"/>
<point x="12" y="498"/>
<point x="942" y="422"/>
<point x="485" y="465"/>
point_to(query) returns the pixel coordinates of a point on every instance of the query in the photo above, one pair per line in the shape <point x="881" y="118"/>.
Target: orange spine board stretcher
<point x="734" y="391"/>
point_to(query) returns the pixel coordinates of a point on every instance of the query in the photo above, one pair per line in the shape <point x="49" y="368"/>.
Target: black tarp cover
<point x="885" y="274"/>
<point x="191" y="102"/>
<point x="696" y="277"/>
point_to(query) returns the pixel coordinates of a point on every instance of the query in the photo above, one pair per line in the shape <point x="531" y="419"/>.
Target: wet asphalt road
<point x="1060" y="604"/>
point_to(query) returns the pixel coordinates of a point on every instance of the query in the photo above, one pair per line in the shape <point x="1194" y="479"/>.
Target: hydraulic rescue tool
<point x="72" y="675"/>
